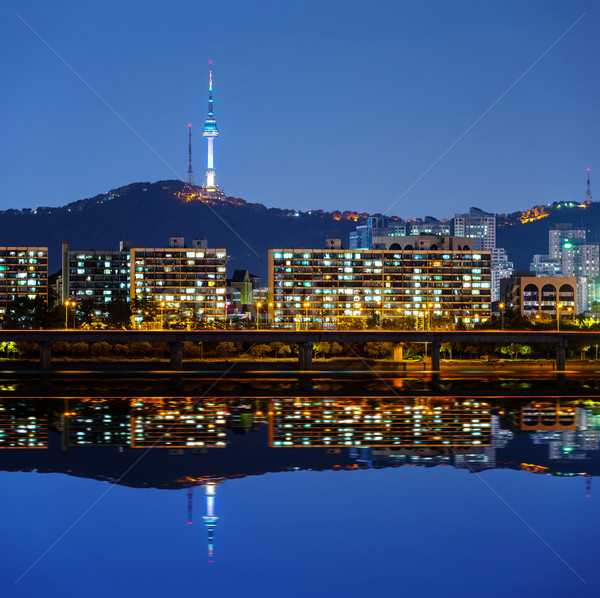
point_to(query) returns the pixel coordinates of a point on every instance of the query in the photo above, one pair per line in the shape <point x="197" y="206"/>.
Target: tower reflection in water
<point x="104" y="437"/>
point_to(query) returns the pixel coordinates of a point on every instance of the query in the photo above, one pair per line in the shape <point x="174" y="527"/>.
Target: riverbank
<point x="334" y="365"/>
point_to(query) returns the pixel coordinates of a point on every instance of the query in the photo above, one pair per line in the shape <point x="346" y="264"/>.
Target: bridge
<point x="305" y="339"/>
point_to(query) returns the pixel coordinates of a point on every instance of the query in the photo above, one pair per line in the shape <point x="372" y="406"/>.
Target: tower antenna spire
<point x="588" y="191"/>
<point x="210" y="131"/>
<point x="190" y="172"/>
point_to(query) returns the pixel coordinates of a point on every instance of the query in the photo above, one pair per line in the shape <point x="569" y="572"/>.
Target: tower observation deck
<point x="210" y="131"/>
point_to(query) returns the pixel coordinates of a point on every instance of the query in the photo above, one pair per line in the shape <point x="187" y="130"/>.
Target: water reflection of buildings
<point x="178" y="424"/>
<point x="22" y="425"/>
<point x="378" y="432"/>
<point x="356" y="422"/>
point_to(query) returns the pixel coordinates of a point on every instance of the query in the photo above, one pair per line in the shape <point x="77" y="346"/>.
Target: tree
<point x="322" y="348"/>
<point x="526" y="350"/>
<point x="25" y="313"/>
<point x="378" y="350"/>
<point x="86" y="312"/>
<point x="144" y="307"/>
<point x="118" y="313"/>
<point x="100" y="349"/>
<point x="260" y="351"/>
<point x="446" y="350"/>
<point x="336" y="349"/>
<point x="225" y="349"/>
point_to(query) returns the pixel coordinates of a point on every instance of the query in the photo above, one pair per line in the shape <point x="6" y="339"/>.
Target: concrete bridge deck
<point x="305" y="339"/>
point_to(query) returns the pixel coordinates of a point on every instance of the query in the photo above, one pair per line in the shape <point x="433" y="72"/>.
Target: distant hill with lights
<point x="149" y="213"/>
<point x="524" y="233"/>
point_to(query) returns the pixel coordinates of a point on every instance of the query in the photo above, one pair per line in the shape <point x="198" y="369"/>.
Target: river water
<point x="279" y="484"/>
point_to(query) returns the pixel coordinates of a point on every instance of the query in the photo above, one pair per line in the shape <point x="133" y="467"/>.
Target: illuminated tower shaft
<point x="210" y="131"/>
<point x="210" y="520"/>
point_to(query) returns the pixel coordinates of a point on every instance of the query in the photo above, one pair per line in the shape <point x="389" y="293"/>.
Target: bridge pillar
<point x="398" y="352"/>
<point x="435" y="356"/>
<point x="176" y="355"/>
<point x="305" y="356"/>
<point x="561" y="350"/>
<point x="45" y="355"/>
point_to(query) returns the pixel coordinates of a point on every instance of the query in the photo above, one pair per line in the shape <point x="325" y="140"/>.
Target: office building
<point x="544" y="265"/>
<point x="560" y="234"/>
<point x="23" y="274"/>
<point x="429" y="226"/>
<point x="501" y="268"/>
<point x="583" y="262"/>
<point x="531" y="295"/>
<point x="478" y="225"/>
<point x="318" y="287"/>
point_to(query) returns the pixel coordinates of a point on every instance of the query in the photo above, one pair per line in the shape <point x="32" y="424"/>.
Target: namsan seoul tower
<point x="210" y="131"/>
<point x="210" y="519"/>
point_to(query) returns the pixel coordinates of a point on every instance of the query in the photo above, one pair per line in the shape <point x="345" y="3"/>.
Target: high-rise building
<point x="102" y="276"/>
<point x="560" y="234"/>
<point x="429" y="226"/>
<point x="327" y="287"/>
<point x="479" y="225"/>
<point x="23" y="273"/>
<point x="501" y="268"/>
<point x="187" y="281"/>
<point x="583" y="262"/>
<point x="544" y="265"/>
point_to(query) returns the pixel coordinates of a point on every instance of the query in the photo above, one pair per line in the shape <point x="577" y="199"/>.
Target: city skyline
<point x="343" y="111"/>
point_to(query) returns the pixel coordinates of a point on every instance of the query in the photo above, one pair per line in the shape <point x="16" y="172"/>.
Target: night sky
<point x="332" y="105"/>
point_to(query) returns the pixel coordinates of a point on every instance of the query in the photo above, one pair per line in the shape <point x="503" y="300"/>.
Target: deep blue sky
<point x="413" y="531"/>
<point x="321" y="104"/>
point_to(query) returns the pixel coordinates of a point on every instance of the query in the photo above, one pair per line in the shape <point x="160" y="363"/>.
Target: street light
<point x="162" y="319"/>
<point x="501" y="306"/>
<point x="558" y="306"/>
<point x="67" y="304"/>
<point x="430" y="314"/>
<point x="270" y="315"/>
<point x="258" y="305"/>
<point x="306" y="306"/>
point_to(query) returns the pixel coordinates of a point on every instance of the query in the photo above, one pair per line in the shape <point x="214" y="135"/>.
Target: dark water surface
<point x="292" y="486"/>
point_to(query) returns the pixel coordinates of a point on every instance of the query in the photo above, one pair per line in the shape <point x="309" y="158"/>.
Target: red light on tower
<point x="588" y="169"/>
<point x="190" y="125"/>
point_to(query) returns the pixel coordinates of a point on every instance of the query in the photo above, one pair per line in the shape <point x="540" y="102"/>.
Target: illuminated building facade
<point x="97" y="422"/>
<point x="501" y="268"/>
<point x="23" y="273"/>
<point x="178" y="424"/>
<point x="479" y="225"/>
<point x="560" y="234"/>
<point x="326" y="287"/>
<point x="98" y="275"/>
<point x="22" y="426"/>
<point x="361" y="422"/>
<point x="188" y="281"/>
<point x="539" y="295"/>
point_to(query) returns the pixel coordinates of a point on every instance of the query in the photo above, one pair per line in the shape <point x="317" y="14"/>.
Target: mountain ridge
<point x="149" y="213"/>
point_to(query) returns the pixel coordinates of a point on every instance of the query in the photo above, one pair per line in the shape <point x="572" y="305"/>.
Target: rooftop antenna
<point x="190" y="172"/>
<point x="588" y="192"/>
